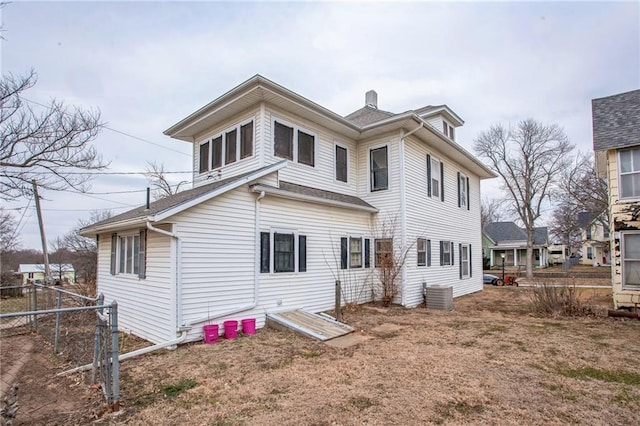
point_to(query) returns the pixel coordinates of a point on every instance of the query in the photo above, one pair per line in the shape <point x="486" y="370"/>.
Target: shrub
<point x="558" y="300"/>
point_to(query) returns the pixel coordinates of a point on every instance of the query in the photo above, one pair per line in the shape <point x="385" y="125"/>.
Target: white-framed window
<point x="446" y="253"/>
<point x="384" y="252"/>
<point x="589" y="252"/>
<point x="448" y="130"/>
<point x="222" y="148"/>
<point x="463" y="191"/>
<point x="435" y="174"/>
<point x="341" y="163"/>
<point x="465" y="261"/>
<point x="379" y="168"/>
<point x="421" y="246"/>
<point x="128" y="253"/>
<point x="630" y="260"/>
<point x="629" y="173"/>
<point x="294" y="143"/>
<point x="283" y="251"/>
<point x="355" y="252"/>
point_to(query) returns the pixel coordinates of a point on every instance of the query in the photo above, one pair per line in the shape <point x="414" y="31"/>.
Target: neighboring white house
<point x="507" y="241"/>
<point x="616" y="142"/>
<point x="60" y="272"/>
<point x="595" y="240"/>
<point x="287" y="197"/>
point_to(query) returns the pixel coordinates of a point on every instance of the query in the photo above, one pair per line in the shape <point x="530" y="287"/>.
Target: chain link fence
<point x="80" y="330"/>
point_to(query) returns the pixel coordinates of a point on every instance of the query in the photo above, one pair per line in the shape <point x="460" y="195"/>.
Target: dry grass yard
<point x="491" y="361"/>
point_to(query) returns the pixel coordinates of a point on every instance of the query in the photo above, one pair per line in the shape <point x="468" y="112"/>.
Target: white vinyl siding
<point x="144" y="305"/>
<point x="435" y="220"/>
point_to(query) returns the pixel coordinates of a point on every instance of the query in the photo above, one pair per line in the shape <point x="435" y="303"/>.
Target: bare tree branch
<point x="51" y="145"/>
<point x="157" y="177"/>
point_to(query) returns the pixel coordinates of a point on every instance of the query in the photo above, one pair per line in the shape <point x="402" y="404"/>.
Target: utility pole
<point x="43" y="237"/>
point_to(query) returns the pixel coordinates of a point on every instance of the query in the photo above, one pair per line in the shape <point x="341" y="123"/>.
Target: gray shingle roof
<point x="173" y="200"/>
<point x="509" y="231"/>
<point x="616" y="121"/>
<point x="320" y="193"/>
<point x="585" y="218"/>
<point x="427" y="109"/>
<point x="367" y="115"/>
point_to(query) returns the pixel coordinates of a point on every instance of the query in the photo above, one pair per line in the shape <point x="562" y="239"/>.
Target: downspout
<point x="256" y="276"/>
<point x="178" y="274"/>
<point x="403" y="207"/>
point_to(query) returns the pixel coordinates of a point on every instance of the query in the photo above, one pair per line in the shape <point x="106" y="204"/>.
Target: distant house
<point x="509" y="239"/>
<point x="60" y="272"/>
<point x="558" y="254"/>
<point x="616" y="142"/>
<point x="287" y="196"/>
<point x="595" y="240"/>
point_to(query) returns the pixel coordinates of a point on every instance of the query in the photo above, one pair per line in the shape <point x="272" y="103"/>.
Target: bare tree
<point x="583" y="189"/>
<point x="492" y="210"/>
<point x="51" y="145"/>
<point x="8" y="231"/>
<point x="564" y="226"/>
<point x="157" y="177"/>
<point x="529" y="158"/>
<point x="84" y="252"/>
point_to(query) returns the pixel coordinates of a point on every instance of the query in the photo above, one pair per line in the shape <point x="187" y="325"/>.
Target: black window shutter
<point x="264" y="251"/>
<point x="441" y="253"/>
<point x="469" y="254"/>
<point x="343" y="253"/>
<point x="460" y="253"/>
<point x="367" y="253"/>
<point x="453" y="246"/>
<point x="114" y="243"/>
<point x="428" y="252"/>
<point x="428" y="175"/>
<point x="142" y="255"/>
<point x="468" y="197"/>
<point x="442" y="181"/>
<point x="458" y="189"/>
<point x="302" y="253"/>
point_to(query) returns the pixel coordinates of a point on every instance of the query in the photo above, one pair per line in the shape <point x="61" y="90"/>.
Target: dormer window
<point x="448" y="130"/>
<point x="222" y="149"/>
<point x="294" y="144"/>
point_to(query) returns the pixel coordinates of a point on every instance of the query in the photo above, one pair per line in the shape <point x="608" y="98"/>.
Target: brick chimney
<point x="371" y="99"/>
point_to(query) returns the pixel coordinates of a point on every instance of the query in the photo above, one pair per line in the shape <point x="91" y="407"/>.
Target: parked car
<point x="491" y="279"/>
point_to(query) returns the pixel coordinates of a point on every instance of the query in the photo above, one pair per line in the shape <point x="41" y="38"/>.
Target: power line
<point x="101" y="173"/>
<point x="118" y="131"/>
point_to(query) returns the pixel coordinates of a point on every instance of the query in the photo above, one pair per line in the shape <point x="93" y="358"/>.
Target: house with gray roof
<point x="507" y="241"/>
<point x="288" y="197"/>
<point x="595" y="239"/>
<point x="616" y="142"/>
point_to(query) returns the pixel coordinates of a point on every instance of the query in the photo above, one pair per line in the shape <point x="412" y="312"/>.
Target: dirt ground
<point x="490" y="361"/>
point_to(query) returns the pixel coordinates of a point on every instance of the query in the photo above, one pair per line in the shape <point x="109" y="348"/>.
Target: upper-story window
<point x="629" y="166"/>
<point x="463" y="191"/>
<point x="293" y="144"/>
<point x="448" y="130"/>
<point x="379" y="165"/>
<point x="222" y="149"/>
<point x="435" y="178"/>
<point x="341" y="163"/>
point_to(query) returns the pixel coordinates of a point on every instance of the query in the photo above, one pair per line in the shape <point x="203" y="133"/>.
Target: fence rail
<point x="82" y="330"/>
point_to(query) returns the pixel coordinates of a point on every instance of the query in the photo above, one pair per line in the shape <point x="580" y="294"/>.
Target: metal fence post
<point x="34" y="307"/>
<point x="96" y="343"/>
<point x="57" y="335"/>
<point x="115" y="370"/>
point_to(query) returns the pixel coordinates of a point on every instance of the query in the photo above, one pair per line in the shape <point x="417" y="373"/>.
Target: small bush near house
<point x="558" y="300"/>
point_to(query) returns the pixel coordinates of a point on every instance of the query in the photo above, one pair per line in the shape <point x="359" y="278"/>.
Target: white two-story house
<point x="287" y="198"/>
<point x="595" y="239"/>
<point x="616" y="142"/>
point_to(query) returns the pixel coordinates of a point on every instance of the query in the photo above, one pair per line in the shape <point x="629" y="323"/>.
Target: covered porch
<point x="517" y="256"/>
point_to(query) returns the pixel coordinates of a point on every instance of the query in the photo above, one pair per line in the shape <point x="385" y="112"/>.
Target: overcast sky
<point x="148" y="65"/>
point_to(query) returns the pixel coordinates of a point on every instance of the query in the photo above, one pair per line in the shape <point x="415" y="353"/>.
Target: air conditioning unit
<point x="439" y="297"/>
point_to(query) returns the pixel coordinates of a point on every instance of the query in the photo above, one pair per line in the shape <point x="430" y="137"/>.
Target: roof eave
<point x="310" y="198"/>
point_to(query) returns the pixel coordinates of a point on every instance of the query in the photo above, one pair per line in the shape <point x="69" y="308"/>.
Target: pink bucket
<point x="230" y="329"/>
<point x="249" y="326"/>
<point x="210" y="333"/>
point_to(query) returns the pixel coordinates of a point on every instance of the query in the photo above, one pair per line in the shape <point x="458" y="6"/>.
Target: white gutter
<point x="403" y="206"/>
<point x="256" y="277"/>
